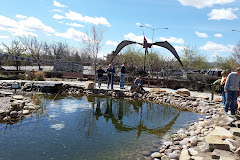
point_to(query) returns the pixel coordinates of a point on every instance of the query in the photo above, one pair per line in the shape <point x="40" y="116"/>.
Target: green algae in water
<point x="91" y="128"/>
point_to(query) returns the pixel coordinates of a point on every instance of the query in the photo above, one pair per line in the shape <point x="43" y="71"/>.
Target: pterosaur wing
<point x="168" y="46"/>
<point x="122" y="45"/>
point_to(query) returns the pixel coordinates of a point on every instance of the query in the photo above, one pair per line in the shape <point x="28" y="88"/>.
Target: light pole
<point x="153" y="29"/>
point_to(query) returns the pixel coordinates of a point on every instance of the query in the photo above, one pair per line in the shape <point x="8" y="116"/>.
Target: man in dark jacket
<point x="138" y="83"/>
<point x="110" y="72"/>
<point x="123" y="73"/>
<point x="100" y="72"/>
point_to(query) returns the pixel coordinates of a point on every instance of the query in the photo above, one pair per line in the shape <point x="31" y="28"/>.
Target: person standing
<point x="231" y="89"/>
<point x="222" y="83"/>
<point x="100" y="72"/>
<point x="110" y="72"/>
<point x="123" y="73"/>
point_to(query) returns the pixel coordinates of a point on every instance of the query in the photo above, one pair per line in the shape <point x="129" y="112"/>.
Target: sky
<point x="205" y="25"/>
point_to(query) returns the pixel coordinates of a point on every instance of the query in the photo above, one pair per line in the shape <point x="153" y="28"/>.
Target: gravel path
<point x="5" y="103"/>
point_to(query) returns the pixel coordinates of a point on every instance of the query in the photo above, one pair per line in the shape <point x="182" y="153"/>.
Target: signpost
<point x="15" y="86"/>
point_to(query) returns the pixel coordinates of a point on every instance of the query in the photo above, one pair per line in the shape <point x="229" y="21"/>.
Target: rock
<point x="224" y="120"/>
<point x="233" y="144"/>
<point x="168" y="143"/>
<point x="25" y="112"/>
<point x="31" y="108"/>
<point x="7" y="118"/>
<point x="193" y="152"/>
<point x="193" y="140"/>
<point x="146" y="153"/>
<point x="2" y="111"/>
<point x="164" y="157"/>
<point x="217" y="100"/>
<point x="18" y="97"/>
<point x="7" y="93"/>
<point x="237" y="123"/>
<point x="204" y="147"/>
<point x="157" y="90"/>
<point x="184" y="155"/>
<point x="17" y="104"/>
<point x="202" y="96"/>
<point x="184" y="141"/>
<point x="20" y="112"/>
<point x="174" y="155"/>
<point x="14" y="114"/>
<point x="203" y="123"/>
<point x="195" y="104"/>
<point x="156" y="155"/>
<point x="221" y="154"/>
<point x="238" y="151"/>
<point x="235" y="131"/>
<point x="197" y="158"/>
<point x="221" y="132"/>
<point x="183" y="91"/>
<point x="216" y="139"/>
<point x="89" y="85"/>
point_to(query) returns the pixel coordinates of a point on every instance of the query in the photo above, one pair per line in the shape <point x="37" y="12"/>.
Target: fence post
<point x="212" y="87"/>
<point x="148" y="81"/>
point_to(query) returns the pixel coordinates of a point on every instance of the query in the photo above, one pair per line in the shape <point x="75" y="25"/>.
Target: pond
<point x="97" y="128"/>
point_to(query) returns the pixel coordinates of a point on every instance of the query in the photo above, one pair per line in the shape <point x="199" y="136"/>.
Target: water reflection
<point x="120" y="111"/>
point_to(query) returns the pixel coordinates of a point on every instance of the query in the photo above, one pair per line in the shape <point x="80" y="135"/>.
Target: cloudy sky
<point x="202" y="24"/>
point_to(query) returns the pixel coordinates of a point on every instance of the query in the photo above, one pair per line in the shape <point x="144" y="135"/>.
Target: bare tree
<point x="61" y="51"/>
<point x="93" y="43"/>
<point x="47" y="52"/>
<point x="33" y="47"/>
<point x="15" y="48"/>
<point x="236" y="53"/>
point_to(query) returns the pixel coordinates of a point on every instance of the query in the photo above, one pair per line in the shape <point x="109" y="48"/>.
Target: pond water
<point x="78" y="128"/>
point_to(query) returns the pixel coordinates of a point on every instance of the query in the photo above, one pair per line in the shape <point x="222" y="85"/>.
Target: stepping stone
<point x="216" y="139"/>
<point x="18" y="97"/>
<point x="221" y="154"/>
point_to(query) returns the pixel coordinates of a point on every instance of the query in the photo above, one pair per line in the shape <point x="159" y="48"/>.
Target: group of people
<point x="110" y="74"/>
<point x="230" y="84"/>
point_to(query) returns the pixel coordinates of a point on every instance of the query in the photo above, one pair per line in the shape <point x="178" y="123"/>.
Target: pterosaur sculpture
<point x="164" y="44"/>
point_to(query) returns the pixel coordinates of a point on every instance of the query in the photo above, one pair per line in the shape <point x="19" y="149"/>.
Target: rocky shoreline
<point x="215" y="137"/>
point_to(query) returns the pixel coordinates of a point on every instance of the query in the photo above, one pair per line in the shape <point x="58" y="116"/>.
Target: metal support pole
<point x="212" y="91"/>
<point x="144" y="64"/>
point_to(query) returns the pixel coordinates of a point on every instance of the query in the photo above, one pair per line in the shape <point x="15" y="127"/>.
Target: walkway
<point x="115" y="87"/>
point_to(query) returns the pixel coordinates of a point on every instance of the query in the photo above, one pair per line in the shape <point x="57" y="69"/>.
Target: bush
<point x="207" y="79"/>
<point x="40" y="76"/>
<point x="53" y="74"/>
<point x="7" y="77"/>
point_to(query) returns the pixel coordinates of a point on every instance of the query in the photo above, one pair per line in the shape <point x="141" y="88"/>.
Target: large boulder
<point x="89" y="85"/>
<point x="216" y="139"/>
<point x="183" y="91"/>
